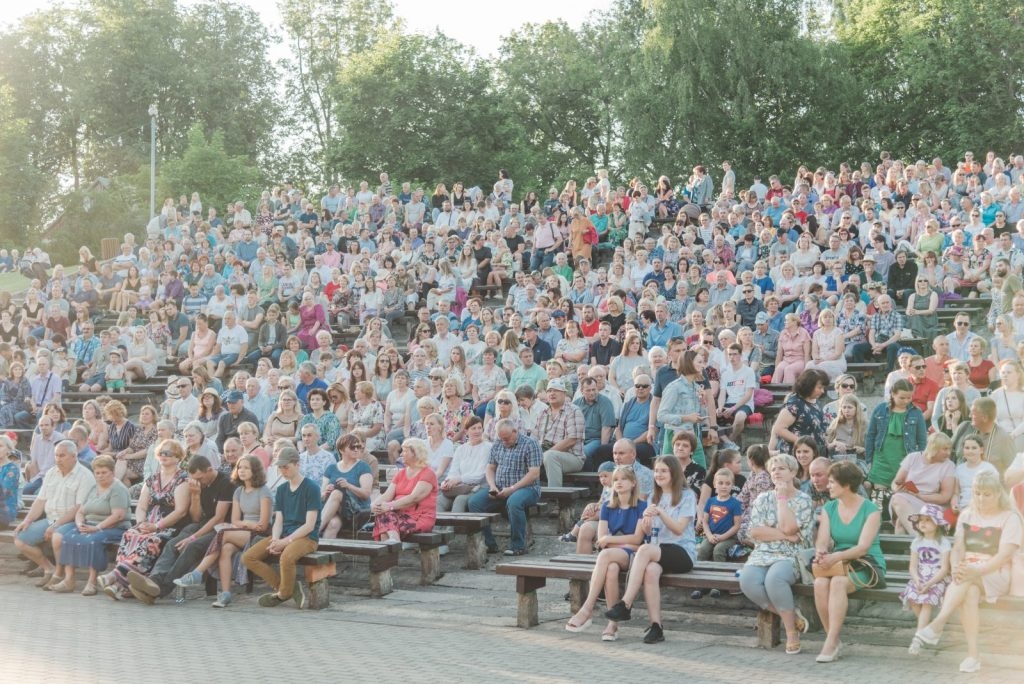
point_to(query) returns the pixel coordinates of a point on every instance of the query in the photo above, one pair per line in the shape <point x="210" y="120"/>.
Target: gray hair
<point x="308" y="367"/>
<point x="68" y="445"/>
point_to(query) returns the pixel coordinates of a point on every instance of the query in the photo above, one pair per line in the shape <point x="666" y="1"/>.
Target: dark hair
<point x="687" y="437"/>
<point x="259" y="475"/>
<point x="471" y="421"/>
<point x="806" y="383"/>
<point x="900" y="386"/>
<point x="199" y="464"/>
<point x="348" y="441"/>
<point x="846" y="474"/>
<point x="685" y="364"/>
<point x="758" y="455"/>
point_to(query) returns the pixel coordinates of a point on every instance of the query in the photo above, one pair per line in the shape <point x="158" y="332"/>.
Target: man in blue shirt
<point x="307" y="381"/>
<point x="598" y="419"/>
<point x="663" y="330"/>
<point x="295" y="533"/>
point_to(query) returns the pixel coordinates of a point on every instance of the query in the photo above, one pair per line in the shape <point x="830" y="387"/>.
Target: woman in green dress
<point x="921" y="307"/>
<point x="895" y="430"/>
<point x="847" y="532"/>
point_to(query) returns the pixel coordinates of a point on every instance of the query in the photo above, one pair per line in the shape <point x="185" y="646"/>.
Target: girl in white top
<point x="1009" y="399"/>
<point x="973" y="450"/>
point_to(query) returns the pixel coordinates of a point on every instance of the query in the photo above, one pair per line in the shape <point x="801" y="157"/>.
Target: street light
<point x="152" y="160"/>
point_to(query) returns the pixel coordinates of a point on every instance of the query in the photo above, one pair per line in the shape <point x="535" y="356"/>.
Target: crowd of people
<point x="638" y="329"/>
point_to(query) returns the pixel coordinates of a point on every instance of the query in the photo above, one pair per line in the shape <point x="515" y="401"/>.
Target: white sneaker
<point x="970" y="665"/>
<point x="443" y="549"/>
<point x="915" y="647"/>
<point x="729" y="444"/>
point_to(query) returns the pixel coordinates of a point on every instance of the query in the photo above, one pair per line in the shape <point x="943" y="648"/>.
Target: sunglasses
<point x="848" y="385"/>
<point x="709" y="342"/>
<point x="181" y="385"/>
<point x="504" y="401"/>
<point x="641" y="386"/>
<point x="167" y="452"/>
<point x="962" y="324"/>
<point x="917" y="367"/>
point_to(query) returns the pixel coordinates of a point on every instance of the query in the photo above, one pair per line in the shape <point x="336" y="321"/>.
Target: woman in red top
<point x="982" y="370"/>
<point x="410" y="503"/>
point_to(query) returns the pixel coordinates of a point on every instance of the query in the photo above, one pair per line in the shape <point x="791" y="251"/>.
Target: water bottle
<point x="179" y="595"/>
<point x="655" y="531"/>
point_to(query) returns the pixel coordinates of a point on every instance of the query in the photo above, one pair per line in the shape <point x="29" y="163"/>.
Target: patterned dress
<point x="139" y="550"/>
<point x="929" y="554"/>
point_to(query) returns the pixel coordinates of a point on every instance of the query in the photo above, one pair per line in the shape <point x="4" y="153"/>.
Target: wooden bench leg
<point x="527" y="587"/>
<point x="476" y="551"/>
<point x="430" y="565"/>
<point x="578" y="590"/>
<point x="319" y="590"/>
<point x="566" y="518"/>
<point x="381" y="582"/>
<point x="769" y="629"/>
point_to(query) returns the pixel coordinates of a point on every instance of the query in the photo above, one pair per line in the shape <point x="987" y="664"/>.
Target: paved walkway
<point x="460" y="630"/>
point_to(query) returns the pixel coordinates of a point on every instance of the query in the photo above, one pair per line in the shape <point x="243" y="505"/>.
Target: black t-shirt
<point x="605" y="353"/>
<point x="481" y="254"/>
<point x="737" y="485"/>
<point x="695" y="475"/>
<point x="221" y="490"/>
<point x="514" y="242"/>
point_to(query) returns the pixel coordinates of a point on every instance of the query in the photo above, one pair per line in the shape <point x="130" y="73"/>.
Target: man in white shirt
<point x="185" y="409"/>
<point x="736" y="394"/>
<point x="232" y="344"/>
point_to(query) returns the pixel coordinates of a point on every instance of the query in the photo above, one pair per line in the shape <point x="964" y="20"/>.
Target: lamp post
<point x="152" y="160"/>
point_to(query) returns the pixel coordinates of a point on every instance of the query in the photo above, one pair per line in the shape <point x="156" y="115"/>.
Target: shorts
<point x="745" y="410"/>
<point x="674" y="559"/>
<point x="115" y="385"/>
<point x="34" y="534"/>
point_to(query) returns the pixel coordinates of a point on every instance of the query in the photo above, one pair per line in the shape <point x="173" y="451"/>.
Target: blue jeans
<point x="515" y="506"/>
<point x="32" y="487"/>
<point x="589" y="448"/>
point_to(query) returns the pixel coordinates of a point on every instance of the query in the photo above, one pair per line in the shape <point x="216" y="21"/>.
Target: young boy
<point x="115" y="373"/>
<point x="10" y="480"/>
<point x="721" y="519"/>
<point x="592" y="512"/>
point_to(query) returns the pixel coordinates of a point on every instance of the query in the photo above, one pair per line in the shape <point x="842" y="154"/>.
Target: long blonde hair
<point x="859" y="424"/>
<point x="634" y="493"/>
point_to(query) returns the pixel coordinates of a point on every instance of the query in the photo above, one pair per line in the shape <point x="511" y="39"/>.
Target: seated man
<point x="211" y="494"/>
<point x="64" y="488"/>
<point x="560" y="431"/>
<point x="513" y="484"/>
<point x="295" y="533"/>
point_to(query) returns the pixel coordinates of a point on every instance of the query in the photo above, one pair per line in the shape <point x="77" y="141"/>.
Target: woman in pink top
<point x="410" y="503"/>
<point x="200" y="346"/>
<point x="794" y="350"/>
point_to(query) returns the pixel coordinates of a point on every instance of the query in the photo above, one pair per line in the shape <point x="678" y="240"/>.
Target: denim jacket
<point x="915" y="431"/>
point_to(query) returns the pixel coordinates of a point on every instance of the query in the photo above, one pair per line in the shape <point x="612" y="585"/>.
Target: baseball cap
<point x="558" y="313"/>
<point x="606" y="467"/>
<point x="761" y="317"/>
<point x="906" y="350"/>
<point x="558" y="384"/>
<point x="288" y="455"/>
<point x="233" y="396"/>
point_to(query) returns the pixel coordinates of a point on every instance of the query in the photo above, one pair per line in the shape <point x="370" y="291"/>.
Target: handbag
<point x="850" y="569"/>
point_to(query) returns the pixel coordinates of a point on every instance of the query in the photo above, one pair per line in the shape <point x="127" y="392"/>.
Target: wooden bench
<point x="869" y="374"/>
<point x="589" y="480"/>
<point x="565" y="498"/>
<point x="472" y="525"/>
<point x="382" y="557"/>
<point x="429" y="544"/>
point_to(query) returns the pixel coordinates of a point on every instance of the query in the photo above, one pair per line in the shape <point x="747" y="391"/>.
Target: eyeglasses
<point x="167" y="452"/>
<point x="709" y="342"/>
<point x="848" y="385"/>
<point x="917" y="367"/>
<point x="641" y="387"/>
<point x="181" y="385"/>
<point x="748" y="292"/>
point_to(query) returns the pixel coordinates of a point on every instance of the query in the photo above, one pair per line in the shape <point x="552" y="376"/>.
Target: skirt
<point x="88" y="549"/>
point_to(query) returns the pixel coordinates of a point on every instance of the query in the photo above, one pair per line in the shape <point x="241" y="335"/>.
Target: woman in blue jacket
<point x="895" y="430"/>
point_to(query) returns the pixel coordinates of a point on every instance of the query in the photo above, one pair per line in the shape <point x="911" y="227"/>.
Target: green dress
<point x="847" y="535"/>
<point x="887" y="460"/>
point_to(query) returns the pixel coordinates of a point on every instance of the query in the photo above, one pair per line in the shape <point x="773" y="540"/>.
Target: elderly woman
<point x="468" y="469"/>
<point x="781" y="523"/>
<point x="800" y="415"/>
<point x="250" y="521"/>
<point x="163" y="507"/>
<point x="848" y="555"/>
<point x="129" y="461"/>
<point x="505" y="406"/>
<point x="197" y="444"/>
<point x="794" y="351"/>
<point x="120" y="430"/>
<point x="346" y="489"/>
<point x="924" y="477"/>
<point x="366" y="420"/>
<point x="988" y="535"/>
<point x="320" y="415"/>
<point x="99" y="521"/>
<point x="896" y="428"/>
<point x="409" y="505"/>
<point x="311" y="320"/>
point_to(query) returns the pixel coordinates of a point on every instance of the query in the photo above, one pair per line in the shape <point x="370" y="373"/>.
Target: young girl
<point x="967" y="470"/>
<point x="619" y="534"/>
<point x="604" y="476"/>
<point x="929" y="567"/>
<point x="845" y="436"/>
<point x="758" y="483"/>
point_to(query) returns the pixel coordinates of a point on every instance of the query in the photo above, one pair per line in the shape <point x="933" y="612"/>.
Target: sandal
<point x="90" y="590"/>
<point x="572" y="627"/>
<point x="612" y="635"/>
<point x="792" y="646"/>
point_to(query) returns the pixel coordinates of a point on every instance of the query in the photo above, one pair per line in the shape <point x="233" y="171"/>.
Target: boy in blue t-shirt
<point x="10" y="480"/>
<point x="295" y="533"/>
<point x="721" y="519"/>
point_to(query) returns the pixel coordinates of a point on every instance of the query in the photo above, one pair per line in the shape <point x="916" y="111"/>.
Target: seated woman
<point x="924" y="477"/>
<point x="668" y="522"/>
<point x="250" y="521"/>
<point x="781" y="522"/>
<point x="410" y="503"/>
<point x="847" y="532"/>
<point x="467" y="470"/>
<point x="100" y="520"/>
<point x="988" y="534"/>
<point x="162" y="508"/>
<point x="129" y="461"/>
<point x="346" y="489"/>
<point x="620" y="533"/>
<point x="827" y="346"/>
<point x="794" y="350"/>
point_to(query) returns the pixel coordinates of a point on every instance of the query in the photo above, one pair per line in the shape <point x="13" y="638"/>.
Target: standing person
<point x="800" y="415"/>
<point x="781" y="524"/>
<point x="513" y="483"/>
<point x="929" y="567"/>
<point x="988" y="534"/>
<point x="847" y="532"/>
<point x="295" y="533"/>
<point x="672" y="546"/>
<point x="896" y="428"/>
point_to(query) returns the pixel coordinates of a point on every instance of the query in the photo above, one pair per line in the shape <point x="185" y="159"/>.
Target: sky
<point x="480" y="28"/>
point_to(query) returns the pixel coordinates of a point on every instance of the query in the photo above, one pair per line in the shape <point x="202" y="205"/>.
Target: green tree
<point x="23" y="186"/>
<point x="207" y="167"/>
<point x="420" y="107"/>
<point x="938" y="76"/>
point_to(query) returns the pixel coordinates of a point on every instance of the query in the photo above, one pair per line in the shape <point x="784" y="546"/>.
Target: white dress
<point x="829" y="344"/>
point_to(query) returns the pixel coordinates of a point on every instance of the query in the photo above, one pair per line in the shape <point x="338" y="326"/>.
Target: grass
<point x="13" y="282"/>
